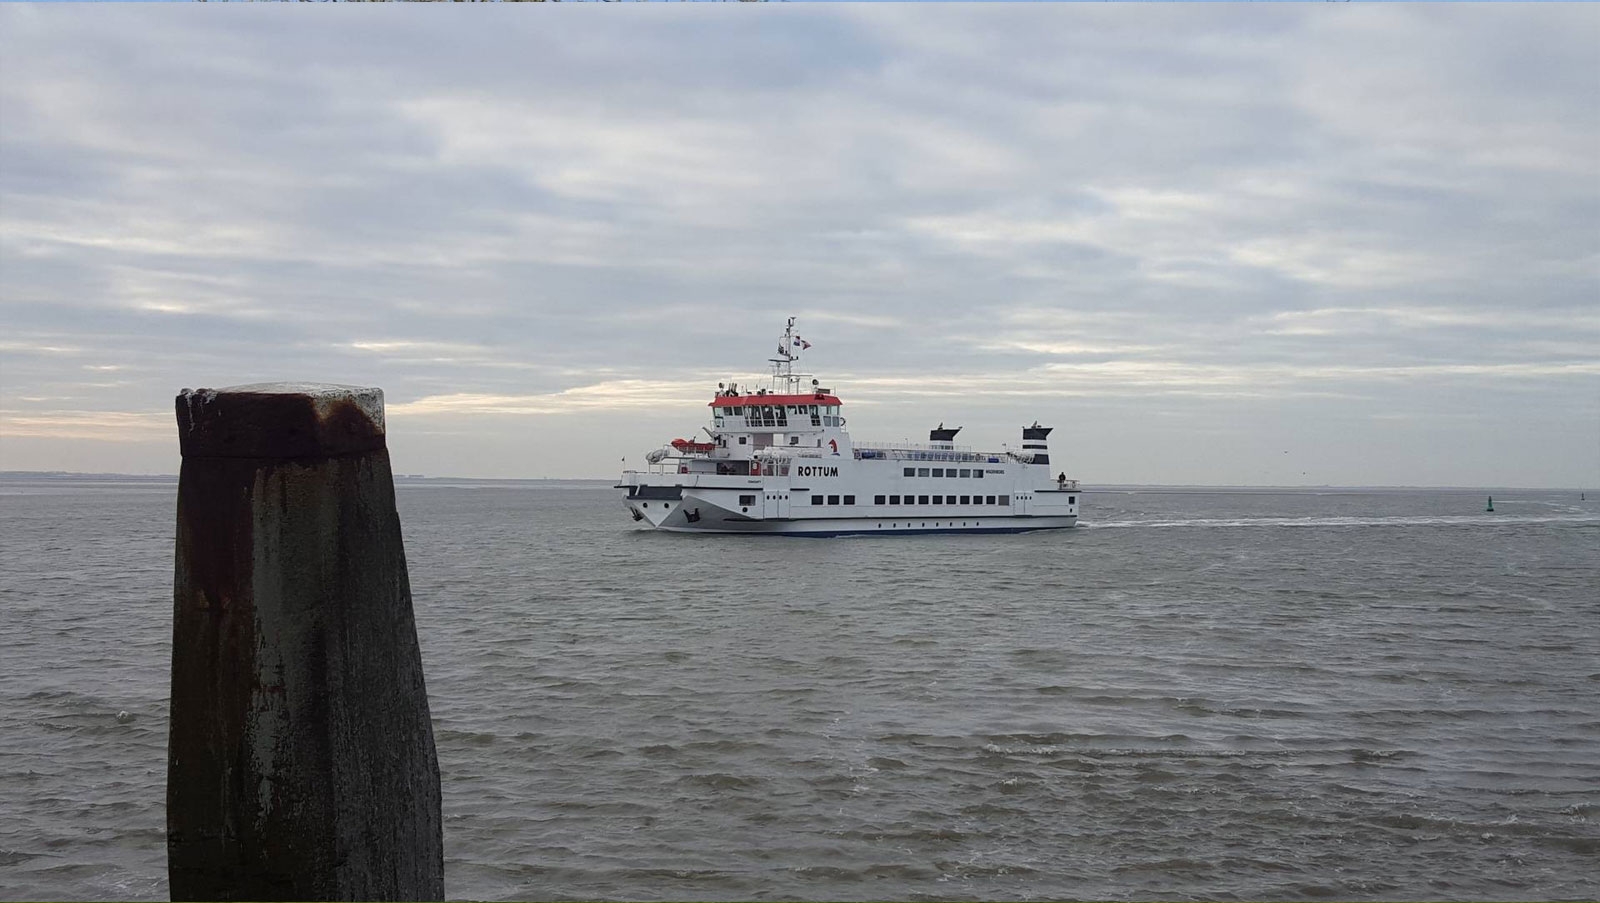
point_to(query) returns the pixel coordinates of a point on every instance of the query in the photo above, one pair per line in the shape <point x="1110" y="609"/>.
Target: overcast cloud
<point x="1297" y="244"/>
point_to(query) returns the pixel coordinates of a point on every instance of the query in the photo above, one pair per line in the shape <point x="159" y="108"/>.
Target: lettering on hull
<point x="815" y="471"/>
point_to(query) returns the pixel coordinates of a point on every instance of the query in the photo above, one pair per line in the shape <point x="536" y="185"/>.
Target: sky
<point x="1320" y="244"/>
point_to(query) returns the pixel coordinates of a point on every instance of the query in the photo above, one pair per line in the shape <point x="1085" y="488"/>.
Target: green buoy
<point x="1490" y="506"/>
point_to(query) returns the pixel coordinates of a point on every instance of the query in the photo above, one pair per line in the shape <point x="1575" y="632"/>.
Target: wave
<point x="1451" y="520"/>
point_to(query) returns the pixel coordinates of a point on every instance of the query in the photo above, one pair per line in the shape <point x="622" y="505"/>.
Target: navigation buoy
<point x="1490" y="506"/>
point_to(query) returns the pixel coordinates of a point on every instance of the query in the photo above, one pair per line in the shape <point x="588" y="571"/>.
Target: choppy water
<point x="1213" y="695"/>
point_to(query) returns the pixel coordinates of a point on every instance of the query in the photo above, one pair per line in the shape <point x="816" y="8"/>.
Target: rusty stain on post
<point x="301" y="762"/>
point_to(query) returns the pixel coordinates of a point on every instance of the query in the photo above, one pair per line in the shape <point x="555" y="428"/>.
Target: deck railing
<point x="913" y="446"/>
<point x="913" y="451"/>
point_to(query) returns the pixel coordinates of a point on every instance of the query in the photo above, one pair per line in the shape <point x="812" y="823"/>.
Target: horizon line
<point x="413" y="477"/>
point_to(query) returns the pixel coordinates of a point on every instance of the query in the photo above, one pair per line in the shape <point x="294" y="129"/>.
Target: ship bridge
<point x="765" y="411"/>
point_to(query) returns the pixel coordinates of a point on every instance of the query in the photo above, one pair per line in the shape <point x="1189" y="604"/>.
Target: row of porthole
<point x="665" y="505"/>
<point x="895" y="526"/>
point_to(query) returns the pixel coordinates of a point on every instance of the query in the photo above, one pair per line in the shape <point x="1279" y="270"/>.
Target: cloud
<point x="615" y="395"/>
<point x="1248" y="218"/>
<point x="1355" y="320"/>
<point x="96" y="426"/>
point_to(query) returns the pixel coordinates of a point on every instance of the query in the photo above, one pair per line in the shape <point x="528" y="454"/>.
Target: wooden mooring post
<point x="301" y="761"/>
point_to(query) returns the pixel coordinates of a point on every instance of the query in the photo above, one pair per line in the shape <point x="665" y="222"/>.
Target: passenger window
<point x="833" y="500"/>
<point x="922" y="500"/>
<point x="894" y="499"/>
<point x="877" y="500"/>
<point x="747" y="500"/>
<point x="849" y="500"/>
<point x="816" y="500"/>
<point x="966" y="500"/>
<point x="1005" y="499"/>
<point x="1072" y="500"/>
<point x="938" y="500"/>
<point x="991" y="500"/>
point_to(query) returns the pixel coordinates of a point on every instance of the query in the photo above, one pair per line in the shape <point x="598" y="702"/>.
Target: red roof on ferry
<point x="727" y="401"/>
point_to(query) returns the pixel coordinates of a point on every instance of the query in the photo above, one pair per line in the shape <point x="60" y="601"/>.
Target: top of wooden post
<point x="280" y="420"/>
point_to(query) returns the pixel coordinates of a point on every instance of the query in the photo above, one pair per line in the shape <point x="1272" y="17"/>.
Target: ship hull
<point x="823" y="528"/>
<point x="694" y="503"/>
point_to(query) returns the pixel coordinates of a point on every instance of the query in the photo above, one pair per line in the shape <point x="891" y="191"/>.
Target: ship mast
<point x="783" y="363"/>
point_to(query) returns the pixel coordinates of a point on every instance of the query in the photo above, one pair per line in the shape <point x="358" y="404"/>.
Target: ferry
<point x="776" y="459"/>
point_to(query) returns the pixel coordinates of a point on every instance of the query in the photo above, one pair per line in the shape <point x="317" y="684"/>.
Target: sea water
<point x="1194" y="694"/>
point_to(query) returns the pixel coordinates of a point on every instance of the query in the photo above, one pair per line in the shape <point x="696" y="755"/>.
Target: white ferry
<point x="777" y="459"/>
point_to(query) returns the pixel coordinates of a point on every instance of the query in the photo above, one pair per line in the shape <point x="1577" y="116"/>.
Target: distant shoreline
<point x="58" y="476"/>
